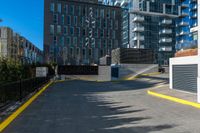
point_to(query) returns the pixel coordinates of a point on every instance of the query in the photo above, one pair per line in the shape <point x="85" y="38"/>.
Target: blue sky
<point x="24" y="17"/>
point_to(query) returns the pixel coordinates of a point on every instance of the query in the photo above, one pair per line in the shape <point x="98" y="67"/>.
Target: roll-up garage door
<point x="185" y="77"/>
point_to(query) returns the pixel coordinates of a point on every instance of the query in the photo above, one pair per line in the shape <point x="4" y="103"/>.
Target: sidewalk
<point x="178" y="96"/>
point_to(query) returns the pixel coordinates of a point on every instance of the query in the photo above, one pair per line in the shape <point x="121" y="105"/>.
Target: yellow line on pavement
<point x="14" y="115"/>
<point x="147" y="74"/>
<point x="174" y="99"/>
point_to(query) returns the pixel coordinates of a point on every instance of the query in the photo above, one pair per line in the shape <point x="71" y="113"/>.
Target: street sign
<point x="41" y="71"/>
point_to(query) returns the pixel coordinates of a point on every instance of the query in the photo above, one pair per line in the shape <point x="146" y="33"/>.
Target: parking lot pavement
<point x="106" y="107"/>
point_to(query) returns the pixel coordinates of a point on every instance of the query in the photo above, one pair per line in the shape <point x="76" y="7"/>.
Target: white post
<point x="170" y="74"/>
<point x="198" y="45"/>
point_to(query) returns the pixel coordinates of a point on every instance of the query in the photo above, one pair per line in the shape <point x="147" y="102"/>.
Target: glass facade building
<point x="187" y="25"/>
<point x="78" y="32"/>
<point x="152" y="25"/>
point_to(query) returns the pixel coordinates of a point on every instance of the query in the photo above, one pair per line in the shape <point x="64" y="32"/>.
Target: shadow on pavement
<point x="65" y="107"/>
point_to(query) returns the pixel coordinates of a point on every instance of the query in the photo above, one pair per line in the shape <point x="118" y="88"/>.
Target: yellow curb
<point x="59" y="81"/>
<point x="174" y="99"/>
<point x="14" y="115"/>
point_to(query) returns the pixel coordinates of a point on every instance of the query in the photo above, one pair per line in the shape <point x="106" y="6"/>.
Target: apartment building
<point x="15" y="47"/>
<point x="187" y="25"/>
<point x="80" y="32"/>
<point x="152" y="25"/>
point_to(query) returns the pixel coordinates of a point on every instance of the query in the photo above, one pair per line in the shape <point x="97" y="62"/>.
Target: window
<point x="84" y="32"/>
<point x="78" y="31"/>
<point x="66" y="9"/>
<point x="116" y="25"/>
<point x="68" y="41"/>
<point x="75" y="20"/>
<point x="55" y="39"/>
<point x="52" y="29"/>
<point x="71" y="51"/>
<point x="59" y="8"/>
<point x="90" y="52"/>
<point x="78" y="51"/>
<point x="102" y="13"/>
<point x="63" y="19"/>
<point x="68" y="20"/>
<point x="58" y="29"/>
<point x="52" y="7"/>
<point x="102" y="33"/>
<point x="72" y="30"/>
<point x="114" y="35"/>
<point x="114" y="14"/>
<point x="75" y="41"/>
<point x="62" y="41"/>
<point x="108" y="34"/>
<point x="55" y="18"/>
<point x="65" y="30"/>
<point x="72" y="9"/>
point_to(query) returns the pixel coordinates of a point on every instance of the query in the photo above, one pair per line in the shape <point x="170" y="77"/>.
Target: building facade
<point x="187" y="25"/>
<point x="80" y="32"/>
<point x="152" y="25"/>
<point x="15" y="47"/>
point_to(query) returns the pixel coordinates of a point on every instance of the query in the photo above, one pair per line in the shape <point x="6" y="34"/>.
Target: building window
<point x="102" y="33"/>
<point x="78" y="31"/>
<point x="83" y="52"/>
<point x="58" y="29"/>
<point x="65" y="30"/>
<point x="78" y="51"/>
<point x="59" y="8"/>
<point x="52" y="29"/>
<point x="75" y="41"/>
<point x="66" y="9"/>
<point x="116" y="25"/>
<point x="79" y="10"/>
<point x="68" y="20"/>
<point x="55" y="39"/>
<point x="114" y="35"/>
<point x="108" y="14"/>
<point x="52" y="7"/>
<point x="90" y="52"/>
<point x="71" y="51"/>
<point x="102" y="13"/>
<point x="63" y="19"/>
<point x="72" y="9"/>
<point x="84" y="32"/>
<point x="55" y="18"/>
<point x="62" y="41"/>
<point x="114" y="14"/>
<point x="72" y="30"/>
<point x="108" y="34"/>
<point x="68" y="41"/>
<point x="75" y="20"/>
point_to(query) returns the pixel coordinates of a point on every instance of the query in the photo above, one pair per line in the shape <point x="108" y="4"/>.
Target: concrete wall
<point x="186" y="61"/>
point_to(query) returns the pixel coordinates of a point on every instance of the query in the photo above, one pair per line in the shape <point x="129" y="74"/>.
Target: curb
<point x="15" y="114"/>
<point x="174" y="99"/>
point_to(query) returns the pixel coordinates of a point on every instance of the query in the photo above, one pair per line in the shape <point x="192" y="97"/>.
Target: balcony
<point x="138" y="29"/>
<point x="124" y="3"/>
<point x="141" y="38"/>
<point x="117" y="3"/>
<point x="166" y="21"/>
<point x="183" y="5"/>
<point x="182" y="33"/>
<point x="165" y="48"/>
<point x="138" y="19"/>
<point x="166" y="31"/>
<point x="194" y="7"/>
<point x="183" y="23"/>
<point x="184" y="14"/>
<point x="194" y="15"/>
<point x="165" y="40"/>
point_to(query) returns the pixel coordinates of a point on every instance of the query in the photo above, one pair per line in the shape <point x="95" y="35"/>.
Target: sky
<point x="24" y="17"/>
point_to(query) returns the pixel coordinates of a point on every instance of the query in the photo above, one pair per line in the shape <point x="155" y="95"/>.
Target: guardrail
<point x="16" y="91"/>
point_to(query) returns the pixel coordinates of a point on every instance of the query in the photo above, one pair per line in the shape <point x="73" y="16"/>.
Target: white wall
<point x="186" y="61"/>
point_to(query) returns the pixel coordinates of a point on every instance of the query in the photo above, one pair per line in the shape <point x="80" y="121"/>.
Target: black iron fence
<point x="16" y="91"/>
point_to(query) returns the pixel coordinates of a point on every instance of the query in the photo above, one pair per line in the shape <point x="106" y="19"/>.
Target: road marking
<point x="174" y="99"/>
<point x="138" y="76"/>
<point x="14" y="115"/>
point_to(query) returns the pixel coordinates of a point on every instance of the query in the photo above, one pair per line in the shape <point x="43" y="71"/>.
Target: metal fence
<point x="16" y="91"/>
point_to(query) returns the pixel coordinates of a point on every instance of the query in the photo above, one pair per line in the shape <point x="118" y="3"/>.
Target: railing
<point x="16" y="91"/>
